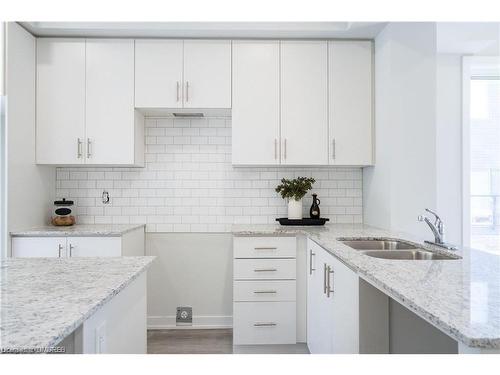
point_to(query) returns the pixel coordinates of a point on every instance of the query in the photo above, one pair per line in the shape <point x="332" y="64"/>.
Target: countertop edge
<point x="48" y="232"/>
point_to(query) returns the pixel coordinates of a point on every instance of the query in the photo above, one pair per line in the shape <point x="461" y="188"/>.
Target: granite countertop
<point x="43" y="300"/>
<point x="78" y="230"/>
<point x="461" y="297"/>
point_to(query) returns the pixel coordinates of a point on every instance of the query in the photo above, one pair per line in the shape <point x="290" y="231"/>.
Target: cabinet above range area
<point x="292" y="102"/>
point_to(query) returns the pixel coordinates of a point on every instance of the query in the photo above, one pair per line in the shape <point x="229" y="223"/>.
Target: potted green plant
<point x="294" y="190"/>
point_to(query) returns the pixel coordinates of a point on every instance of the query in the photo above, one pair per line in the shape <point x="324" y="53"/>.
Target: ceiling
<point x="295" y="30"/>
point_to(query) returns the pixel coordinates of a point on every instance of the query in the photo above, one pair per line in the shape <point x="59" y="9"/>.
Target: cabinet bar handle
<point x="60" y="249"/>
<point x="80" y="153"/>
<point x="329" y="289"/>
<point x="265" y="270"/>
<point x="324" y="278"/>
<point x="275" y="148"/>
<point x="89" y="147"/>
<point x="270" y="324"/>
<point x="265" y="292"/>
<point x="178" y="85"/>
<point x="333" y="148"/>
<point x="284" y="148"/>
<point x="311" y="269"/>
<point x="187" y="91"/>
<point x="71" y="247"/>
<point x="265" y="248"/>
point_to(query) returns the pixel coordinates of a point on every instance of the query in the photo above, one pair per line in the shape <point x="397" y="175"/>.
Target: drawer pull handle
<point x="265" y="270"/>
<point x="265" y="248"/>
<point x="265" y="292"/>
<point x="270" y="324"/>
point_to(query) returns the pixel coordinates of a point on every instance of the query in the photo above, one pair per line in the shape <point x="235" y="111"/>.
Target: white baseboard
<point x="199" y="322"/>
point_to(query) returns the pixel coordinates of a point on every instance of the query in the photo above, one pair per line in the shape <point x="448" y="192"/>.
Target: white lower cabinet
<point x="94" y="246"/>
<point x="36" y="247"/>
<point x="128" y="244"/>
<point x="264" y="291"/>
<point x="332" y="304"/>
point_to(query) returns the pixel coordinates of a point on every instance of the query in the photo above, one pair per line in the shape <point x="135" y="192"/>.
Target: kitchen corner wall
<point x="189" y="184"/>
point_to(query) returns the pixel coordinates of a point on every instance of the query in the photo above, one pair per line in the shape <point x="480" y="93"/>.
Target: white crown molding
<point x="228" y="30"/>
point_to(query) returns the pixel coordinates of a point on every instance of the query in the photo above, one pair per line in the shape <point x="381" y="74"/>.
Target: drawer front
<point x="264" y="247"/>
<point x="264" y="323"/>
<point x="264" y="269"/>
<point x="266" y="290"/>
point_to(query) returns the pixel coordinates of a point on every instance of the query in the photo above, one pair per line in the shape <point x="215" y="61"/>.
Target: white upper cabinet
<point x="207" y="74"/>
<point x="60" y="101"/>
<point x="158" y="73"/>
<point x="304" y="102"/>
<point x="183" y="74"/>
<point x="85" y="103"/>
<point x="256" y="97"/>
<point x="351" y="102"/>
<point x="110" y="101"/>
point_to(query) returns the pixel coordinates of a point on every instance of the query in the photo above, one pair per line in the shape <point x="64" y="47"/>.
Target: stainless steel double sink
<point x="394" y="249"/>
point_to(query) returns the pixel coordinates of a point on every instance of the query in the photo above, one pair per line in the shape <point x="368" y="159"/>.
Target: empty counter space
<point x="84" y="305"/>
<point x="79" y="241"/>
<point x="445" y="303"/>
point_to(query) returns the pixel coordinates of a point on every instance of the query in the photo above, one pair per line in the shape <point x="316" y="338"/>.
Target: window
<point x="481" y="147"/>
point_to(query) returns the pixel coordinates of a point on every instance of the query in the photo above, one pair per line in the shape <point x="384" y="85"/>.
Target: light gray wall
<point x="403" y="181"/>
<point x="191" y="269"/>
<point x="30" y="188"/>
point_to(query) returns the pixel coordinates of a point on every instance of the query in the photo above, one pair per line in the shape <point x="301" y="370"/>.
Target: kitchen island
<point x="459" y="297"/>
<point x="73" y="305"/>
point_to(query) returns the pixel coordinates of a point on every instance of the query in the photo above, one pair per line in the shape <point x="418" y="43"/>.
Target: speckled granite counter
<point x="43" y="300"/>
<point x="78" y="230"/>
<point x="460" y="297"/>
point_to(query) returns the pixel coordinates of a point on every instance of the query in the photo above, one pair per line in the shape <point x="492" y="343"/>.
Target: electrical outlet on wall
<point x="184" y="316"/>
<point x="100" y="338"/>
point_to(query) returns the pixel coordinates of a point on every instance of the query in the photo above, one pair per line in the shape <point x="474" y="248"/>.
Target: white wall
<point x="190" y="270"/>
<point x="30" y="188"/>
<point x="403" y="181"/>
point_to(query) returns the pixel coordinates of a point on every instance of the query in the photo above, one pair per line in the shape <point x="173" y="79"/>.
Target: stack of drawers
<point x="264" y="290"/>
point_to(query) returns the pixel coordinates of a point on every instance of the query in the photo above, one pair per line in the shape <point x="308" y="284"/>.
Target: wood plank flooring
<point x="209" y="341"/>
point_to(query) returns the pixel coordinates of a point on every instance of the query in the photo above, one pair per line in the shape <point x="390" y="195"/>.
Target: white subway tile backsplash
<point x="189" y="185"/>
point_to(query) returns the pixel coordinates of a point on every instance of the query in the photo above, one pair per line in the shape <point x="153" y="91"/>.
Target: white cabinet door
<point x="110" y="101"/>
<point x="256" y="101"/>
<point x="158" y="73"/>
<point x="60" y="101"/>
<point x="319" y="305"/>
<point x="351" y="103"/>
<point x="207" y="74"/>
<point x="38" y="247"/>
<point x="304" y="102"/>
<point x="94" y="246"/>
<point x="345" y="292"/>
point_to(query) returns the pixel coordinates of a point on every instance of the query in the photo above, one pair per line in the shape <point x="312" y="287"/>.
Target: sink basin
<point x="408" y="255"/>
<point x="378" y="245"/>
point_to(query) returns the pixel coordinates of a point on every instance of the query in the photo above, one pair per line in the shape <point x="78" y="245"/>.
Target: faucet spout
<point x="438" y="237"/>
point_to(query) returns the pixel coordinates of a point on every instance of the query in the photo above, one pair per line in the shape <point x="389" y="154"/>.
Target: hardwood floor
<point x="209" y="341"/>
<point x="190" y="341"/>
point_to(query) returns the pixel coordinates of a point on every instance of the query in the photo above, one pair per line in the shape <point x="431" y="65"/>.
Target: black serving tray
<point x="304" y="221"/>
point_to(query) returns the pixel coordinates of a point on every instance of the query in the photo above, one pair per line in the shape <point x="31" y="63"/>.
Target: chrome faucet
<point x="437" y="229"/>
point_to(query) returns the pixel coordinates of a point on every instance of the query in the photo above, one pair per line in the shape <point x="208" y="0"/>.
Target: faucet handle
<point x="420" y="218"/>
